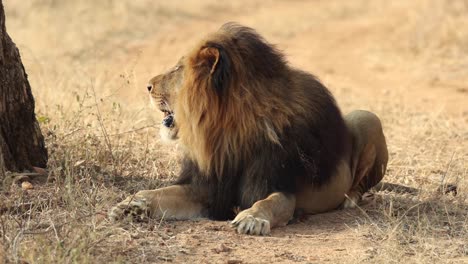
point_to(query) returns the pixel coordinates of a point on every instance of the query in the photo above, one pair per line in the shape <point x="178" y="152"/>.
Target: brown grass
<point x="88" y="62"/>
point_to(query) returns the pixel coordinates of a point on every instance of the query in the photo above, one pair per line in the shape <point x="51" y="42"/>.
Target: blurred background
<point x="405" y="60"/>
<point x="89" y="61"/>
<point x="398" y="47"/>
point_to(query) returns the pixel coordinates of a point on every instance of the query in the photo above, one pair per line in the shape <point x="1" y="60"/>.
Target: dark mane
<point x="261" y="59"/>
<point x="251" y="124"/>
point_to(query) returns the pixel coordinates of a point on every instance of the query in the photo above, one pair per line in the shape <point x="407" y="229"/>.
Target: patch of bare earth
<point x="88" y="63"/>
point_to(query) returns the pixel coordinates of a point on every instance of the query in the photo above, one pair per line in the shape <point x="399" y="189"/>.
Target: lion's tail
<point x="397" y="188"/>
<point x="392" y="187"/>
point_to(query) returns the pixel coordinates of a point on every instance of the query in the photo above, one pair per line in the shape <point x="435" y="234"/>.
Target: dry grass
<point x="88" y="62"/>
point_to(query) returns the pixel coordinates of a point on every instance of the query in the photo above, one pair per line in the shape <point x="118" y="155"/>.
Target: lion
<point x="259" y="137"/>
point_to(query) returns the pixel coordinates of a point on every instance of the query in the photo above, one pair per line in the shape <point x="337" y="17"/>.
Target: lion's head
<point x="225" y="96"/>
<point x="163" y="91"/>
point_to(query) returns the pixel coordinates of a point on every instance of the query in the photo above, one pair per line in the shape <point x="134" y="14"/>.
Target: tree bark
<point x="21" y="142"/>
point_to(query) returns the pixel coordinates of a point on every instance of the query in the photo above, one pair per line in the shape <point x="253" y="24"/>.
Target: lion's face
<point x="163" y="91"/>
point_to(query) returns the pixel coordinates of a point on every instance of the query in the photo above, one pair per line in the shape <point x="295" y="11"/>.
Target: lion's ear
<point x="209" y="57"/>
<point x="217" y="61"/>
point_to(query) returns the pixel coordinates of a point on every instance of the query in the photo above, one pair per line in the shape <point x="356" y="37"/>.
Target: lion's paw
<point x="352" y="200"/>
<point x="248" y="224"/>
<point x="133" y="207"/>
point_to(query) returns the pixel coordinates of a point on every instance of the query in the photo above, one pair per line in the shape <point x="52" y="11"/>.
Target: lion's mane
<point x="252" y="125"/>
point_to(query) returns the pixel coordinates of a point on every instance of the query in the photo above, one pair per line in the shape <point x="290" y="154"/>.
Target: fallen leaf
<point x="26" y="186"/>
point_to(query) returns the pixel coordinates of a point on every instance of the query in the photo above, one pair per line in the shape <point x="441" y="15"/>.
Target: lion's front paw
<point x="246" y="223"/>
<point x="133" y="207"/>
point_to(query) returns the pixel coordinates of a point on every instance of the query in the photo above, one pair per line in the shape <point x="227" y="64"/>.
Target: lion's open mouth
<point x="168" y="120"/>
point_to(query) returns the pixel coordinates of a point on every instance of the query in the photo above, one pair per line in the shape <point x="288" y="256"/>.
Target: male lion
<point x="258" y="135"/>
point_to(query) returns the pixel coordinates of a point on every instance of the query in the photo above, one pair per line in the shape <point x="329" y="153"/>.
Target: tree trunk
<point x="21" y="142"/>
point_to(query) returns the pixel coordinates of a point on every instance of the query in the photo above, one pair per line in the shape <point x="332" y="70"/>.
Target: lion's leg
<point x="312" y="199"/>
<point x="370" y="154"/>
<point x="275" y="210"/>
<point x="173" y="202"/>
<point x="366" y="162"/>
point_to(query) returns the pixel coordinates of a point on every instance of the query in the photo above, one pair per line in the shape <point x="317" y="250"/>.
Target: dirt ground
<point x="88" y="64"/>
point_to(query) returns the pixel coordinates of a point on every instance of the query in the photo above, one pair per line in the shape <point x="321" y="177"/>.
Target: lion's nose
<point x="150" y="87"/>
